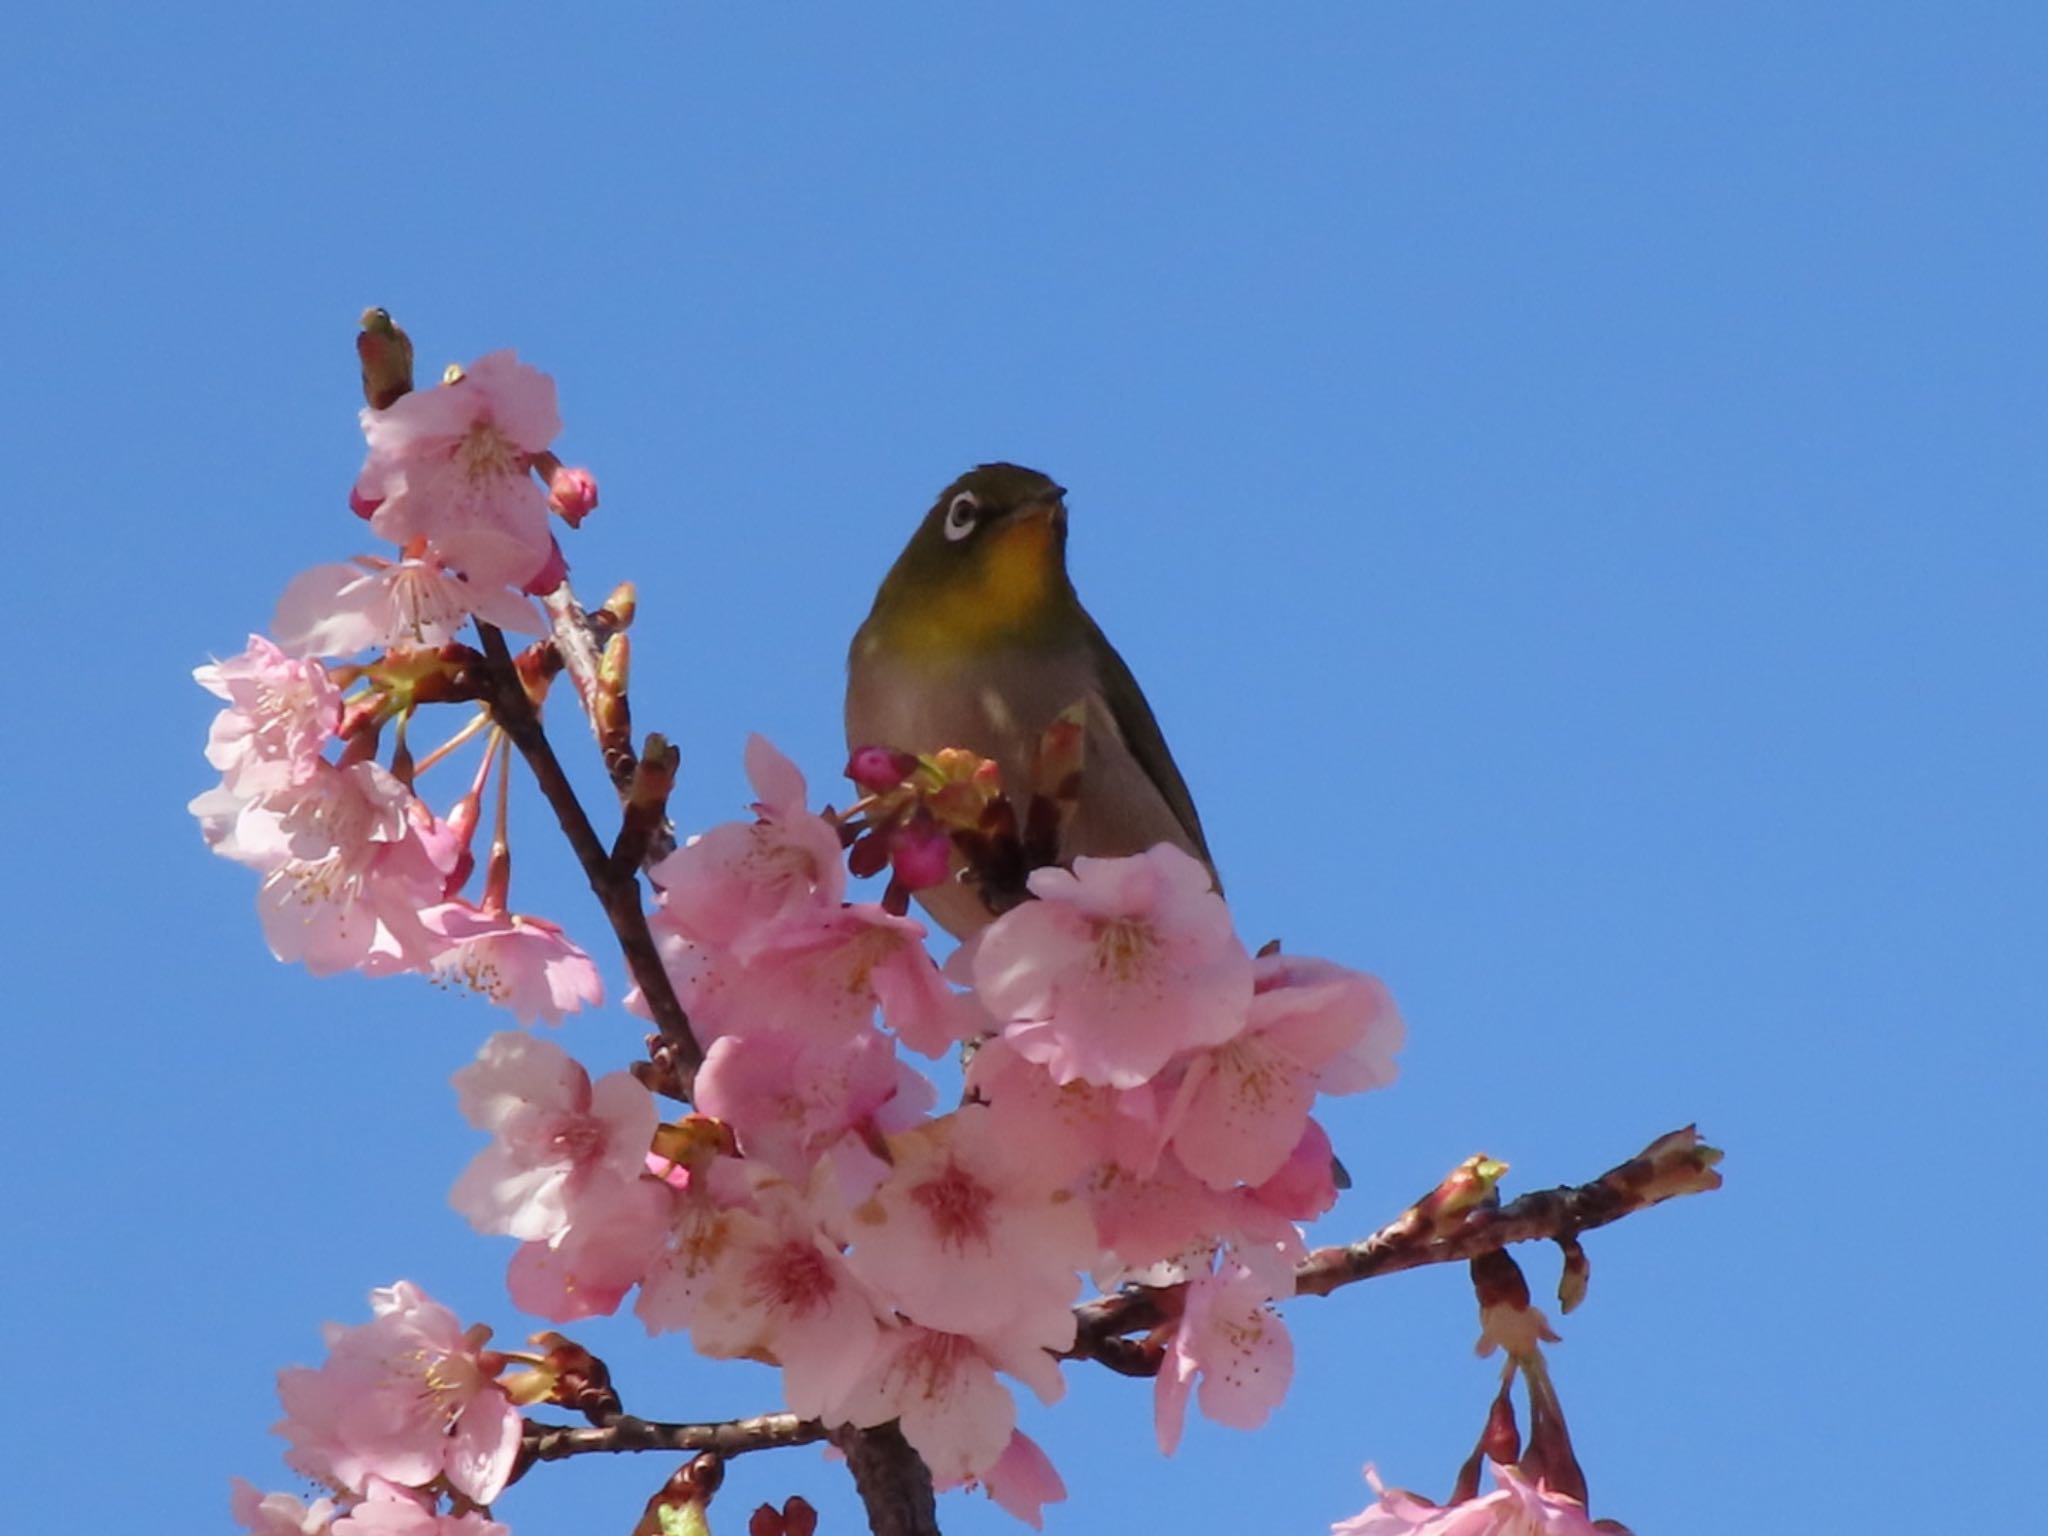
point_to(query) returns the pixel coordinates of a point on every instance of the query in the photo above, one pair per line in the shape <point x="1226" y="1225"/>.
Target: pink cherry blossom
<point x="406" y="1397"/>
<point x="1071" y="1127"/>
<point x="277" y="1514"/>
<point x="968" y="1236"/>
<point x="728" y="887"/>
<point x="1023" y="1481"/>
<point x="943" y="1387"/>
<point x="699" y="1231"/>
<point x="1305" y="1185"/>
<point x="352" y="858"/>
<point x="788" y="1096"/>
<point x="281" y="714"/>
<point x="1162" y="1227"/>
<point x="526" y="964"/>
<point x="1517" y="1507"/>
<point x="1117" y="966"/>
<point x="452" y="465"/>
<point x="389" y="1511"/>
<point x="1236" y="1344"/>
<point x="780" y="1291"/>
<point x="554" y="1135"/>
<point x="373" y="604"/>
<point x="614" y="1238"/>
<point x="1241" y="1106"/>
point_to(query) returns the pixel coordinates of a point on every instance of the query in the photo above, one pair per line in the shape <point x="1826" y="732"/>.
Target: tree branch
<point x="894" y="1483"/>
<point x="734" y="1437"/>
<point x="1672" y="1165"/>
<point x="617" y="890"/>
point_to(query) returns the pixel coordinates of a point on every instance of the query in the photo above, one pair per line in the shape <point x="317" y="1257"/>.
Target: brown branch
<point x="734" y="1437"/>
<point x="1674" y="1164"/>
<point x="617" y="890"/>
<point x="895" y="1485"/>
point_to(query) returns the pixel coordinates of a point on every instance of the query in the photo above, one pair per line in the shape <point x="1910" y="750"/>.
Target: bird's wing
<point x="1126" y="704"/>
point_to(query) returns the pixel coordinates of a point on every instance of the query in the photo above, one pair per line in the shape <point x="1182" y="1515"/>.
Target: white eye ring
<point x="961" y="515"/>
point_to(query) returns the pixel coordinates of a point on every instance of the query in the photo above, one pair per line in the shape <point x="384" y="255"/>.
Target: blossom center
<point x="486" y="453"/>
<point x="795" y="1278"/>
<point x="1123" y="947"/>
<point x="957" y="1205"/>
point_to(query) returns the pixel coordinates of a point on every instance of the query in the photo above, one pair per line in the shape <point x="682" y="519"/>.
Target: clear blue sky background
<point x="1570" y="477"/>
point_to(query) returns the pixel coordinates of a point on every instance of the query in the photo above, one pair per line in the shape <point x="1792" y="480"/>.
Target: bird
<point x="978" y="640"/>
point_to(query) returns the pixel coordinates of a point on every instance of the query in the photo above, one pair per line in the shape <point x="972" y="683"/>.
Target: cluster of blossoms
<point x="1137" y="1108"/>
<point x="1138" y="1093"/>
<point x="359" y="872"/>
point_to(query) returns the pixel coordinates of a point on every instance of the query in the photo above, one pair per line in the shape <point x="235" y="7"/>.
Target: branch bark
<point x="1674" y="1164"/>
<point x="617" y="889"/>
<point x="894" y="1483"/>
<point x="733" y="1437"/>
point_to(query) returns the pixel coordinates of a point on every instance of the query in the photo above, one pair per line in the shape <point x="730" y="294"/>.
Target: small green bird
<point x="977" y="640"/>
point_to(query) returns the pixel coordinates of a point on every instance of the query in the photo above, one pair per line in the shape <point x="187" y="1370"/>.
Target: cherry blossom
<point x="452" y="465"/>
<point x="943" y="1387"/>
<point x="282" y="712"/>
<point x="1117" y="966"/>
<point x="1023" y="1481"/>
<point x="1241" y="1106"/>
<point x="372" y="604"/>
<point x="787" y="1096"/>
<point x="526" y="964"/>
<point x="353" y="859"/>
<point x="389" y="1511"/>
<point x="728" y="887"/>
<point x="780" y="1291"/>
<point x="1236" y="1344"/>
<point x="1516" y="1507"/>
<point x="277" y="1514"/>
<point x="613" y="1240"/>
<point x="968" y="1236"/>
<point x="407" y="1397"/>
<point x="1071" y="1126"/>
<point x="554" y="1135"/>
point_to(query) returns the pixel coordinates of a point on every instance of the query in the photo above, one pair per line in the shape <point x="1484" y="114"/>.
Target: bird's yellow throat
<point x="1007" y="589"/>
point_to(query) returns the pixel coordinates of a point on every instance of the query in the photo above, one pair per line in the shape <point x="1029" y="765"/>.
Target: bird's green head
<point x="986" y="567"/>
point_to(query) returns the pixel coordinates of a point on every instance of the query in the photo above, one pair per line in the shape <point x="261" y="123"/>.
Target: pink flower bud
<point x="879" y="769"/>
<point x="363" y="506"/>
<point x="573" y="493"/>
<point x="550" y="575"/>
<point x="922" y="853"/>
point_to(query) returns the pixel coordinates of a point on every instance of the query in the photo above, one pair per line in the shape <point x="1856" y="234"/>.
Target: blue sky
<point x="1570" y="478"/>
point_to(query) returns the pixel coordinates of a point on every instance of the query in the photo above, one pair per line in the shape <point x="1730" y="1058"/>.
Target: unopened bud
<point x="622" y="603"/>
<point x="879" y="769"/>
<point x="868" y="856"/>
<point x="921" y="853"/>
<point x="385" y="353"/>
<point x="1577" y="1272"/>
<point x="573" y="493"/>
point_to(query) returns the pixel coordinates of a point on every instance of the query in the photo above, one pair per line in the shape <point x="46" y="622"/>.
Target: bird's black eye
<point x="961" y="515"/>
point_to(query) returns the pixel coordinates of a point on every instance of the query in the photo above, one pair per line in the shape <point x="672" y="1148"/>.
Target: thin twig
<point x="617" y="891"/>
<point x="1672" y="1165"/>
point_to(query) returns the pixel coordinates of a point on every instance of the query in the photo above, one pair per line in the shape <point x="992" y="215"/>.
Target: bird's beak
<point x="1053" y="508"/>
